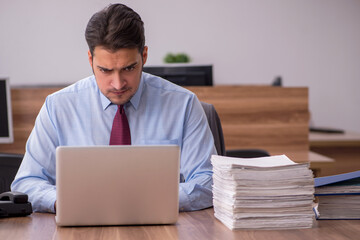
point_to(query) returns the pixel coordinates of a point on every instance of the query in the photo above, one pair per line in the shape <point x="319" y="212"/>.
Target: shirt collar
<point x="105" y="102"/>
<point x="134" y="101"/>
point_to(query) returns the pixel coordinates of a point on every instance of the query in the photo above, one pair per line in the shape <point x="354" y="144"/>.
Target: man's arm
<point x="36" y="175"/>
<point x="198" y="145"/>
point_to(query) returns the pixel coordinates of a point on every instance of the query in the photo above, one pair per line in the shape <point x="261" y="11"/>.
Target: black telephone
<point x="13" y="204"/>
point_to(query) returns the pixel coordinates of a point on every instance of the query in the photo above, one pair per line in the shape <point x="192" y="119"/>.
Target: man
<point x="158" y="112"/>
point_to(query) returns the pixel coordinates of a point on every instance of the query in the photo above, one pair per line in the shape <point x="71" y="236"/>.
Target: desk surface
<point x="191" y="225"/>
<point x="343" y="148"/>
<point x="334" y="139"/>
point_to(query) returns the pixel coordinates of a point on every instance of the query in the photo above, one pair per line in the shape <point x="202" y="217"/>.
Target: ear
<point x="90" y="59"/>
<point x="144" y="54"/>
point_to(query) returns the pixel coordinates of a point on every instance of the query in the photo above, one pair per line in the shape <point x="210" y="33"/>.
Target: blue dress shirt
<point x="159" y="113"/>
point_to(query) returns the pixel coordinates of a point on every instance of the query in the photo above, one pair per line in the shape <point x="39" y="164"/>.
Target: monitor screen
<point x="184" y="75"/>
<point x="6" y="130"/>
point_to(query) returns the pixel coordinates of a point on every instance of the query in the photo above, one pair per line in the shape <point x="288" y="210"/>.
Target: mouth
<point x="120" y="92"/>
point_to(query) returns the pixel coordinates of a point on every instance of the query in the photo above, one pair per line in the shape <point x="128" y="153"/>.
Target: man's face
<point x="118" y="73"/>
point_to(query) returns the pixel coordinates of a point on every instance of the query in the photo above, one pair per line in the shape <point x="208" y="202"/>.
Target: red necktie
<point x="120" y="132"/>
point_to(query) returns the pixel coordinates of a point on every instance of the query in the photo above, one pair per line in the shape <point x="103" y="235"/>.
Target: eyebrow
<point x="103" y="68"/>
<point x="129" y="66"/>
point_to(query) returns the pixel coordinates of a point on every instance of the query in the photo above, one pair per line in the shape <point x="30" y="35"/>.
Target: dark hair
<point x="116" y="26"/>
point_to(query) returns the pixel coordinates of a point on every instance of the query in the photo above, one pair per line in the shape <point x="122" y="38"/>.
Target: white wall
<point x="313" y="43"/>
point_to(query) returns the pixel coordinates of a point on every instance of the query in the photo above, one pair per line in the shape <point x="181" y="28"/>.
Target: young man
<point x="158" y="112"/>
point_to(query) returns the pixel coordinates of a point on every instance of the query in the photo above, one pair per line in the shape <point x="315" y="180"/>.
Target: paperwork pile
<point x="262" y="193"/>
<point x="338" y="196"/>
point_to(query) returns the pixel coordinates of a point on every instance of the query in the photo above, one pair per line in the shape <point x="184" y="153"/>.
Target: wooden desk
<point x="347" y="139"/>
<point x="343" y="148"/>
<point x="191" y="225"/>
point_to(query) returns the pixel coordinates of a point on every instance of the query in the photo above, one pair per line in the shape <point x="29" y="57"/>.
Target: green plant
<point x="176" y="58"/>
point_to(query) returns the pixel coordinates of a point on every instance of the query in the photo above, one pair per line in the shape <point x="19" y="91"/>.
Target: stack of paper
<point x="262" y="193"/>
<point x="338" y="196"/>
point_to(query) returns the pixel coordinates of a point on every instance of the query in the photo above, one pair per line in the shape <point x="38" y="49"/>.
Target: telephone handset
<point x="14" y="204"/>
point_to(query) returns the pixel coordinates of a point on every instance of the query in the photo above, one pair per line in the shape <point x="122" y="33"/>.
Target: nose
<point x="118" y="81"/>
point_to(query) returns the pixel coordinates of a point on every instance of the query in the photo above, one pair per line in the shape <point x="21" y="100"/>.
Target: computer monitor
<point x="6" y="127"/>
<point x="184" y="75"/>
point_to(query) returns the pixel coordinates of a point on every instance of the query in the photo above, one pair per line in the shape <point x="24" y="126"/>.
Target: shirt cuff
<point x="184" y="200"/>
<point x="49" y="201"/>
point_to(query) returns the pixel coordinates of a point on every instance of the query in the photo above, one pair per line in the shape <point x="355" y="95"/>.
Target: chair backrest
<point x="9" y="165"/>
<point x="215" y="126"/>
<point x="216" y="129"/>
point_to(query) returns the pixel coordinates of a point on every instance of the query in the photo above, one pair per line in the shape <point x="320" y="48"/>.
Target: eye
<point x="130" y="68"/>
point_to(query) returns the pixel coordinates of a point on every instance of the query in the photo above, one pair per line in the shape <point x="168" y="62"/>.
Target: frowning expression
<point x="118" y="73"/>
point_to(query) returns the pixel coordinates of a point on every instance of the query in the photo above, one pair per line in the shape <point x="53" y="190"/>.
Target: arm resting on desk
<point x="36" y="175"/>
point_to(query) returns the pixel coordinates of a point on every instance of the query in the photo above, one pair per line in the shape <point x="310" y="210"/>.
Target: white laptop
<point x="117" y="185"/>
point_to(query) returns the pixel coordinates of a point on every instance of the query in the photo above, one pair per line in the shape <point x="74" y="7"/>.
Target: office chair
<point x="9" y="165"/>
<point x="247" y="153"/>
<point x="216" y="129"/>
<point x="215" y="126"/>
